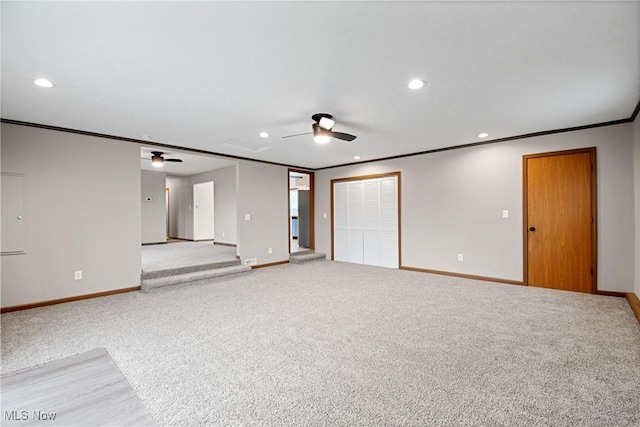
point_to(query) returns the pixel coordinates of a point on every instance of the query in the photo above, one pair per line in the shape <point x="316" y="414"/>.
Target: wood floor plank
<point x="87" y="389"/>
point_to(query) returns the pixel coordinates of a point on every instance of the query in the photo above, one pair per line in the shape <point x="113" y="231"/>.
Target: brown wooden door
<point x="560" y="220"/>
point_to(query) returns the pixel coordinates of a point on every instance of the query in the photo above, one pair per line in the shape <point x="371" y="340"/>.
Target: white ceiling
<point x="197" y="74"/>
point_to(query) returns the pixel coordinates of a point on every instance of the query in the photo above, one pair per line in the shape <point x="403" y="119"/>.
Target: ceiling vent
<point x="244" y="146"/>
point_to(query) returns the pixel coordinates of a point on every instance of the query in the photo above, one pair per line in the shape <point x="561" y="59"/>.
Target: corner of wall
<point x="636" y="174"/>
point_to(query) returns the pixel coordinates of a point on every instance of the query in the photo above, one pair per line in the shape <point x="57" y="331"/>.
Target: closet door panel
<point x="366" y="222"/>
<point x="340" y="221"/>
<point x="371" y="221"/>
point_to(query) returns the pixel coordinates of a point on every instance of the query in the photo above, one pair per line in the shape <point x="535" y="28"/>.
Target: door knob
<point x="19" y="216"/>
<point x="532" y="229"/>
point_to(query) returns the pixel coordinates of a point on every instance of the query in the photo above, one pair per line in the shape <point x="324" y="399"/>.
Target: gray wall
<point x="452" y="203"/>
<point x="82" y="214"/>
<point x="181" y="201"/>
<point x="224" y="204"/>
<point x="263" y="193"/>
<point x="636" y="159"/>
<point x="154" y="212"/>
<point x="180" y="207"/>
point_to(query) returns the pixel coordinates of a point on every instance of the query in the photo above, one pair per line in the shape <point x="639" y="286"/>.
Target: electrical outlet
<point x="78" y="275"/>
<point x="505" y="213"/>
<point x="461" y="257"/>
<point x="324" y="215"/>
<point x="223" y="234"/>
<point x="251" y="261"/>
<point x="270" y="250"/>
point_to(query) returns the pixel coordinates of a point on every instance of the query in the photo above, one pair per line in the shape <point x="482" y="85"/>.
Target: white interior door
<point x="366" y="221"/>
<point x="203" y="219"/>
<point x="13" y="214"/>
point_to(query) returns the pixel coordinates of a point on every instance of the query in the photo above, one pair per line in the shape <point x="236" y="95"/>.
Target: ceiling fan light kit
<point x="157" y="160"/>
<point x="320" y="135"/>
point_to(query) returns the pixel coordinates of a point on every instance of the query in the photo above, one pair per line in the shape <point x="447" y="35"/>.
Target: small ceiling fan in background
<point x="157" y="159"/>
<point x="322" y="130"/>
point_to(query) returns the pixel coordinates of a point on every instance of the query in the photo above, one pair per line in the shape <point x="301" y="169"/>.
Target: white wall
<point x="82" y="214"/>
<point x="452" y="203"/>
<point x="263" y="193"/>
<point x="154" y="212"/>
<point x="636" y="160"/>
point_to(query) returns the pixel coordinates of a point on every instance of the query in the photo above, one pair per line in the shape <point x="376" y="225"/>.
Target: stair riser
<point x="185" y="270"/>
<point x="146" y="288"/>
<point x="308" y="258"/>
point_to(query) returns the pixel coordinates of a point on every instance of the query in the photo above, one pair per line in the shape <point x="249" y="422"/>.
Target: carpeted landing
<point x="182" y="254"/>
<point x="328" y="343"/>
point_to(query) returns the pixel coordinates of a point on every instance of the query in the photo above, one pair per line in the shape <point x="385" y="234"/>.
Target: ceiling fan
<point x="157" y="160"/>
<point x="322" y="130"/>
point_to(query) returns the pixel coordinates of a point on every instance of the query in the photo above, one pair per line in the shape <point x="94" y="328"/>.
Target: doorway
<point x="560" y="220"/>
<point x="301" y="211"/>
<point x="203" y="221"/>
<point x="168" y="216"/>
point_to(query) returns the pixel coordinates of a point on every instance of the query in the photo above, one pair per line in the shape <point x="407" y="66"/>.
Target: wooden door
<point x="560" y="223"/>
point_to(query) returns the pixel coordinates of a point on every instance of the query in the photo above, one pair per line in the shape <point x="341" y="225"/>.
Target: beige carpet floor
<point x="182" y="254"/>
<point x="328" y="344"/>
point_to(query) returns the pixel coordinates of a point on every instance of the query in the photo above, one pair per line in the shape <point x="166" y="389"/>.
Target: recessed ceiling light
<point x="483" y="135"/>
<point x="356" y="157"/>
<point x="264" y="135"/>
<point x="416" y="84"/>
<point x="43" y="83"/>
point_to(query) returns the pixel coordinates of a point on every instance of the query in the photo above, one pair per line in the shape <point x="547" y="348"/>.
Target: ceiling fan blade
<point x="297" y="134"/>
<point x="342" y="136"/>
<point x="173" y="160"/>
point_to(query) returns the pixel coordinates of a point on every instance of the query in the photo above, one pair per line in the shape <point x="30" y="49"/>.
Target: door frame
<point x="364" y="178"/>
<point x="168" y="207"/>
<point x="594" y="211"/>
<point x="312" y="208"/>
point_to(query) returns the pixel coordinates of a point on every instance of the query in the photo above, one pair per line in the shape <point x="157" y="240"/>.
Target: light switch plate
<point x="505" y="213"/>
<point x="247" y="217"/>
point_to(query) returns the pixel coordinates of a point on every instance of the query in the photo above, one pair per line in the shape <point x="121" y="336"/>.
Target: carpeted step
<point x="302" y="257"/>
<point x="150" y="285"/>
<point x="154" y="274"/>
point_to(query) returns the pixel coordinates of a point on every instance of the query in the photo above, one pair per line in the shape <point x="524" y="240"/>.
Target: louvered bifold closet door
<point x="340" y="221"/>
<point x="355" y="218"/>
<point x="372" y="250"/>
<point x="388" y="227"/>
<point x="366" y="221"/>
